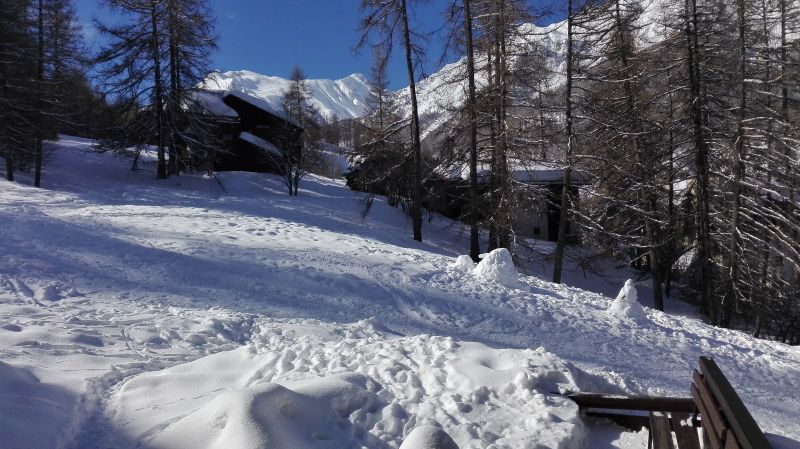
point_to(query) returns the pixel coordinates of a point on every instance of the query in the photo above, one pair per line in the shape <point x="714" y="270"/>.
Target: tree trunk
<point x="672" y="249"/>
<point x="565" y="190"/>
<point x="757" y="330"/>
<point x="540" y="106"/>
<point x="416" y="199"/>
<point x="474" y="244"/>
<point x="173" y="81"/>
<point x="791" y="169"/>
<point x="9" y="166"/>
<point x="493" y="177"/>
<point x="161" y="172"/>
<point x="646" y="199"/>
<point x="37" y="179"/>
<point x="701" y="163"/>
<point x="731" y="294"/>
<point x="504" y="204"/>
<point x="761" y="298"/>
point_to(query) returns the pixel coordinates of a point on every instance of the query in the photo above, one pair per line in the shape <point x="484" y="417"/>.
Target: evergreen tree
<point x="131" y="68"/>
<point x="569" y="131"/>
<point x="191" y="41"/>
<point x="152" y="62"/>
<point x="628" y="167"/>
<point x="389" y="20"/>
<point x="298" y="160"/>
<point x="379" y="160"/>
<point x="59" y="58"/>
<point x="17" y="91"/>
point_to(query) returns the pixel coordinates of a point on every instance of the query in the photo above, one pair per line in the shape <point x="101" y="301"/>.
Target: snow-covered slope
<point x="341" y="99"/>
<point x="172" y="314"/>
<point x="444" y="91"/>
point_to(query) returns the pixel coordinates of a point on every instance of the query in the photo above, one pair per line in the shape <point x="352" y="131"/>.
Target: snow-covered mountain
<point x="339" y="99"/>
<point x="444" y="91"/>
<point x="437" y="94"/>
<point x="346" y="98"/>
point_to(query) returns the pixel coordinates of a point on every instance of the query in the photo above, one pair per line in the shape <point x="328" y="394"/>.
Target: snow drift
<point x="303" y="391"/>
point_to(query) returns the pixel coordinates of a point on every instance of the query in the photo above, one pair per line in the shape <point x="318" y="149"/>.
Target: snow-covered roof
<point x="542" y="172"/>
<point x="257" y="102"/>
<point x="537" y="172"/>
<point x="264" y="106"/>
<point x="212" y="102"/>
<point x="261" y="143"/>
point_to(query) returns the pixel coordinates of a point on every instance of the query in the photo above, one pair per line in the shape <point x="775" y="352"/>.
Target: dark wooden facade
<point x="256" y="119"/>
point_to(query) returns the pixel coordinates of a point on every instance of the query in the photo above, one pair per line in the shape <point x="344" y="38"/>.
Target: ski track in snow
<point x="106" y="276"/>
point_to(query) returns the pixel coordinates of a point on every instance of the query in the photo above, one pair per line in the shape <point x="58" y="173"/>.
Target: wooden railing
<point x="714" y="406"/>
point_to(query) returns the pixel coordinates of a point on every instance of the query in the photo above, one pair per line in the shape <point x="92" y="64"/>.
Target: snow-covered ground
<point x="136" y="313"/>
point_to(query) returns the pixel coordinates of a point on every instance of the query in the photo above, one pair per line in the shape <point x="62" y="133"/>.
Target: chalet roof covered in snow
<point x="545" y="173"/>
<point x="263" y="105"/>
<point x="212" y="102"/>
<point x="260" y="143"/>
<point x="537" y="172"/>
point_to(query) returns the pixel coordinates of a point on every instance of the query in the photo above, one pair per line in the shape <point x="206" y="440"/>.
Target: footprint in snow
<point x="23" y="288"/>
<point x="60" y="291"/>
<point x="11" y="327"/>
<point x="89" y="340"/>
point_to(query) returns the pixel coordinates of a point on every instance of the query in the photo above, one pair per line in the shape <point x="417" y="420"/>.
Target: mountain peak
<point x="334" y="99"/>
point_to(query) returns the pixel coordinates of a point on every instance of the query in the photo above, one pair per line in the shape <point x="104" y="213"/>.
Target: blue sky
<point x="272" y="36"/>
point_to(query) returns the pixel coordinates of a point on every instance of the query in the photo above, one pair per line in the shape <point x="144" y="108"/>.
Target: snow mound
<point x="626" y="304"/>
<point x="24" y="400"/>
<point x="268" y="415"/>
<point x="498" y="267"/>
<point x="428" y="437"/>
<point x="293" y="389"/>
<point x="56" y="291"/>
<point x="463" y="264"/>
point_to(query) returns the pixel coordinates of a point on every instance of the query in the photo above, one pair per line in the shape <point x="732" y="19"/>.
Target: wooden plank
<point x="641" y="403"/>
<point x="731" y="442"/>
<point x="697" y="377"/>
<point x="685" y="432"/>
<point x="633" y="422"/>
<point x="659" y="431"/>
<point x="711" y="411"/>
<point x="711" y="435"/>
<point x="748" y="434"/>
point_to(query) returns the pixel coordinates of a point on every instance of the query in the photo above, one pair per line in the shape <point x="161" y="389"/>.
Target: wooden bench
<point x="714" y="407"/>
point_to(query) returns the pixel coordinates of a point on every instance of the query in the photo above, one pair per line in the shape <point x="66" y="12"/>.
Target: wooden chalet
<point x="255" y="136"/>
<point x="540" y="212"/>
